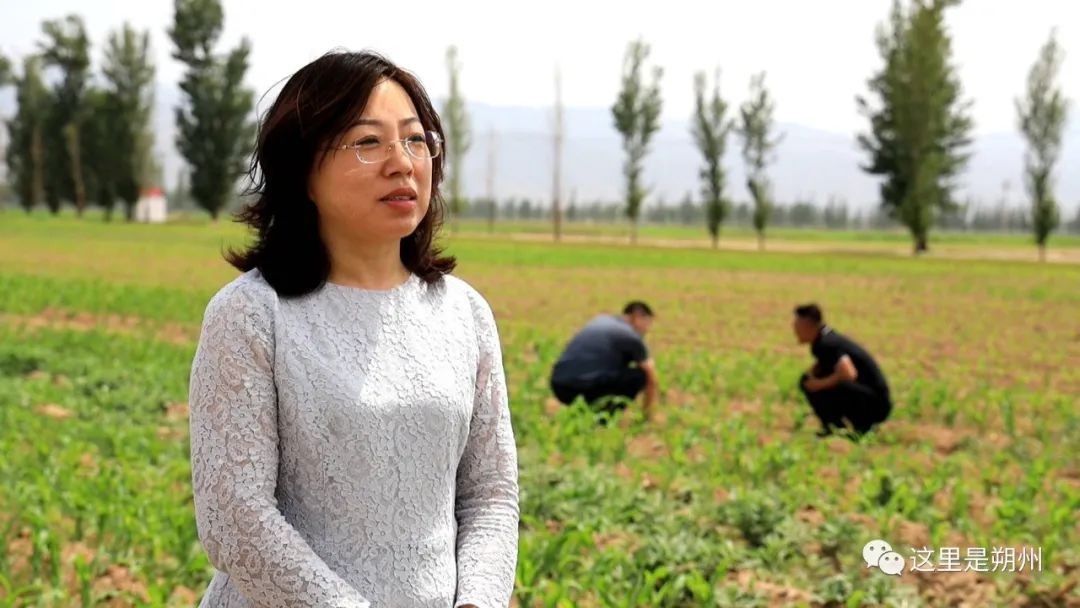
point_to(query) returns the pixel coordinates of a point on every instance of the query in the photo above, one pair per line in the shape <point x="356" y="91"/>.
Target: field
<point x="727" y="498"/>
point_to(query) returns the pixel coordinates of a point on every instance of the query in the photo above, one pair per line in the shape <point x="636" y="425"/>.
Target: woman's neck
<point x="368" y="267"/>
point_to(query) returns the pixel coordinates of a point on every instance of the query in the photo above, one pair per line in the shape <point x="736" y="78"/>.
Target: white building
<point x="151" y="207"/>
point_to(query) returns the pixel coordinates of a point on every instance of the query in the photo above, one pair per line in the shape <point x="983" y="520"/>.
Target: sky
<point x="817" y="55"/>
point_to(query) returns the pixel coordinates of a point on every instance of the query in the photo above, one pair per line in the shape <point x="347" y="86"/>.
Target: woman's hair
<point x="315" y="107"/>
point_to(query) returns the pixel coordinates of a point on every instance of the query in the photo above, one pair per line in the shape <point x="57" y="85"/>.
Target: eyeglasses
<point x="370" y="150"/>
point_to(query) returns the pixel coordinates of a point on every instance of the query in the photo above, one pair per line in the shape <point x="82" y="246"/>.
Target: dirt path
<point x="174" y="333"/>
<point x="945" y="251"/>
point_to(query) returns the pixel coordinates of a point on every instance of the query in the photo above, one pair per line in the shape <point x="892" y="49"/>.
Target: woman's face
<point x="381" y="201"/>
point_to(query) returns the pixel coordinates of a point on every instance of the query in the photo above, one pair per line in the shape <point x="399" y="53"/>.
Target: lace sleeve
<point x="234" y="464"/>
<point x="487" y="482"/>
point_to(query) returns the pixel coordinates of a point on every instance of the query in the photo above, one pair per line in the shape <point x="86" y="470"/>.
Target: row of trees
<point x="636" y="115"/>
<point x="919" y="128"/>
<point x="82" y="139"/>
<point x="920" y="125"/>
<point x="88" y="137"/>
<point x="917" y="142"/>
<point x="837" y="214"/>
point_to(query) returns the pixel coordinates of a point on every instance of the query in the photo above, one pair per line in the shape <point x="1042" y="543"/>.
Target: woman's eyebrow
<point x="372" y="122"/>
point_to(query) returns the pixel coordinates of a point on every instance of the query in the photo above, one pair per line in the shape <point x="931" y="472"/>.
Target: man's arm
<point x="843" y="372"/>
<point x="652" y="386"/>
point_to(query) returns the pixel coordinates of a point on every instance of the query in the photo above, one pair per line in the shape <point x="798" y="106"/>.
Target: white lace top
<point x="353" y="448"/>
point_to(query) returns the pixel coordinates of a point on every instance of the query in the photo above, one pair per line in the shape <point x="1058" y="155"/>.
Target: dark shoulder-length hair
<point x="315" y="107"/>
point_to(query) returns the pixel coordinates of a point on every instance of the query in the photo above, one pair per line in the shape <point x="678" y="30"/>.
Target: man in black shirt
<point x="608" y="359"/>
<point x="845" y="382"/>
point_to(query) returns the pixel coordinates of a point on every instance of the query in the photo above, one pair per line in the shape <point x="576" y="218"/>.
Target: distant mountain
<point x="811" y="164"/>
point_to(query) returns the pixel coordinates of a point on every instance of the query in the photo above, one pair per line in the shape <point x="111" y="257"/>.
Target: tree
<point x="835" y="213"/>
<point x="492" y="209"/>
<point x="710" y="129"/>
<point x="26" y="130"/>
<point x="755" y="128"/>
<point x="458" y="136"/>
<point x="215" y="130"/>
<point x="178" y="194"/>
<point x="556" y="186"/>
<point x="67" y="48"/>
<point x="129" y="74"/>
<point x="919" y="127"/>
<point x="102" y="145"/>
<point x="637" y="118"/>
<point x="1042" y="114"/>
<point x="6" y="78"/>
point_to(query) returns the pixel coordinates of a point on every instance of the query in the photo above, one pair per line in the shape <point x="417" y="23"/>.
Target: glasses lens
<point x="418" y="147"/>
<point x="428" y="145"/>
<point x="433" y="143"/>
<point x="371" y="152"/>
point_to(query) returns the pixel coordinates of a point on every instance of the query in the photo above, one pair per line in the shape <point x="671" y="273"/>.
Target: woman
<point x="351" y="442"/>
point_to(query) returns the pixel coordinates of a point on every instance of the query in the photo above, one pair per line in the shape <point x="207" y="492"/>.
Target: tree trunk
<point x="129" y="212"/>
<point x="716" y="241"/>
<point x="920" y="244"/>
<point x="72" y="133"/>
<point x="37" y="158"/>
<point x="1042" y="252"/>
<point x="761" y="241"/>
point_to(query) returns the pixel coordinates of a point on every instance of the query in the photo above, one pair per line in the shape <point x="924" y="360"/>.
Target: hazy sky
<point x="817" y="54"/>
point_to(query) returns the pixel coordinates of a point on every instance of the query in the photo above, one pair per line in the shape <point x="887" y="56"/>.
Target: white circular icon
<point x="873" y="551"/>
<point x="891" y="562"/>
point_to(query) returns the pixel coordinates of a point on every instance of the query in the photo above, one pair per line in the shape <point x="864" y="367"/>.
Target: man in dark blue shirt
<point x="845" y="383"/>
<point x="608" y="359"/>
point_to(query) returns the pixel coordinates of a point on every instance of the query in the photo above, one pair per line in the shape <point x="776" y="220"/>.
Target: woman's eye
<point x="417" y="139"/>
<point x="367" y="142"/>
